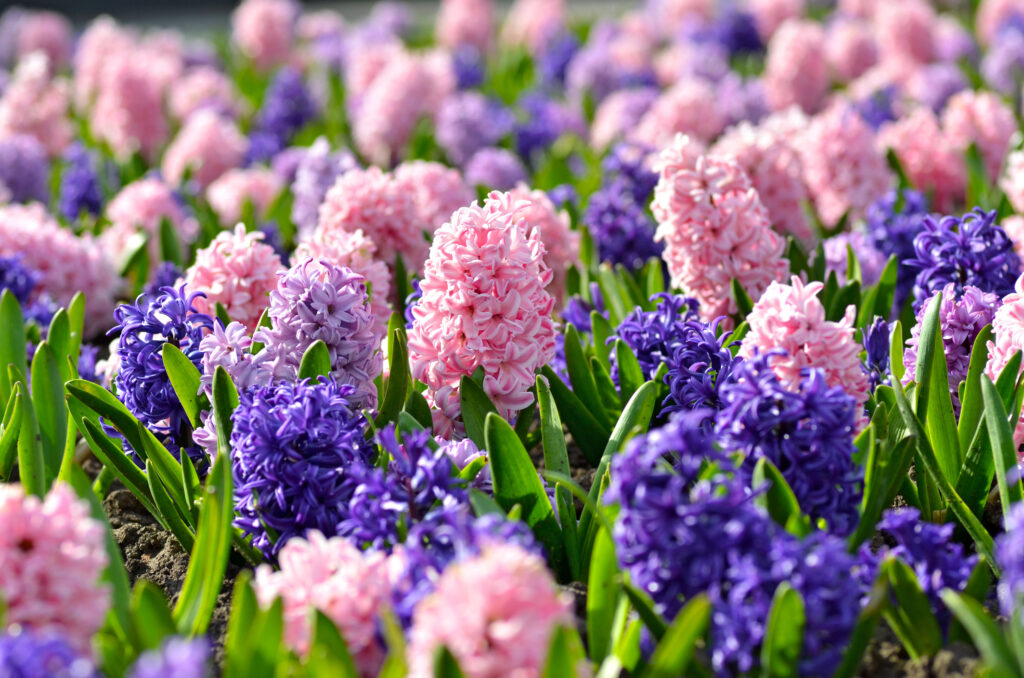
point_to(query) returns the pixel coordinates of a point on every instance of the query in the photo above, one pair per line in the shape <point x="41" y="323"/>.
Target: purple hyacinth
<point x="287" y="106"/>
<point x="1010" y="556"/>
<point x="577" y="311"/>
<point x="468" y="66"/>
<point x="25" y="654"/>
<point x="877" y="108"/>
<point x="495" y="168"/>
<point x="177" y="656"/>
<point x="736" y="31"/>
<point x="297" y="453"/>
<point x="936" y="83"/>
<point x="742" y="100"/>
<point x="542" y="123"/>
<point x="316" y="172"/>
<point x="699" y="368"/>
<point x="564" y="196"/>
<point x="468" y="122"/>
<point x="17" y="279"/>
<point x="892" y="223"/>
<point x="807" y="434"/>
<point x="554" y="60"/>
<point x="24" y="169"/>
<point x="654" y="335"/>
<point x="596" y="72"/>
<point x="1003" y="64"/>
<point x="87" y="363"/>
<point x="971" y="250"/>
<point x="167" y="274"/>
<point x="621" y="227"/>
<point x="463" y="453"/>
<point x="80" y="189"/>
<point x="872" y="261"/>
<point x="961" y="318"/>
<point x="628" y="162"/>
<point x="876" y="346"/>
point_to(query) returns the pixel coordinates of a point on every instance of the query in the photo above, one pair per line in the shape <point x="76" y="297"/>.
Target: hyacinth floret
<point x="876" y="347"/>
<point x="892" y="223"/>
<point x="24" y="654"/>
<point x="621" y="226"/>
<point x="177" y="656"/>
<point x="699" y="367"/>
<point x="80" y="190"/>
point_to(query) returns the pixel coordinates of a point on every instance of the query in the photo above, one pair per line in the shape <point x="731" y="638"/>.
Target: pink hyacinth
<point x="357" y="252"/>
<point x="230" y="192"/>
<point x="1007" y="339"/>
<point x="792" y="318"/>
<point x="773" y="164"/>
<point x="1014" y="227"/>
<point x="103" y="39"/>
<point x="1012" y="182"/>
<point x="142" y="206"/>
<point x="264" y="30"/>
<point x="714" y="227"/>
<point x="906" y="31"/>
<point x="770" y="14"/>
<point x="669" y="15"/>
<point x="864" y="9"/>
<point x="981" y="118"/>
<point x="129" y="111"/>
<point x="688" y="107"/>
<point x="35" y="104"/>
<point x="330" y="575"/>
<point x="436" y="189"/>
<point x="851" y="49"/>
<point x="843" y="169"/>
<point x="619" y="113"/>
<point x="365" y="62"/>
<point x="53" y="553"/>
<point x="466" y="23"/>
<point x="66" y="263"/>
<point x="496" y="613"/>
<point x="484" y="304"/>
<point x="561" y="243"/>
<point x="373" y="202"/>
<point x="207" y="146"/>
<point x="532" y="23"/>
<point x="796" y="70"/>
<point x="926" y="156"/>
<point x="992" y="14"/>
<point x="47" y="32"/>
<point x="203" y="87"/>
<point x="237" y="270"/>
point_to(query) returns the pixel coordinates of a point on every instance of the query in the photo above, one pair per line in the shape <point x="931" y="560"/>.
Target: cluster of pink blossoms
<point x="982" y="119"/>
<point x="437" y="190"/>
<point x="36" y="104"/>
<point x="206" y="147"/>
<point x="484" y="304"/>
<point x="926" y="156"/>
<point x="714" y="227"/>
<point x="52" y="553"/>
<point x="688" y="107"/>
<point x="466" y="23"/>
<point x="533" y="22"/>
<point x="264" y="30"/>
<point x="795" y="70"/>
<point x="203" y="87"/>
<point x="142" y="206"/>
<point x="230" y="192"/>
<point x="561" y="243"/>
<point x="1007" y="339"/>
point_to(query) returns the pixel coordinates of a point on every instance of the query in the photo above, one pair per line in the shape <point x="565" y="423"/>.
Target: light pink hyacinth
<point x="843" y="169"/>
<point x="373" y="202"/>
<point x="906" y="31"/>
<point x="992" y="14"/>
<point x="35" y="104"/>
<point x="103" y="39"/>
<point x="331" y="575"/>
<point x="925" y="155"/>
<point x="52" y="553"/>
<point x="229" y="193"/>
<point x="1012" y="182"/>
<point x="796" y="68"/>
<point x="1007" y="339"/>
<point x="714" y="227"/>
<point x="237" y="270"/>
<point x="503" y="633"/>
<point x="141" y="206"/>
<point x="773" y="164"/>
<point x="851" y="49"/>
<point x="561" y="243"/>
<point x="688" y="107"/>
<point x="533" y="23"/>
<point x="129" y="111"/>
<point x="203" y="87"/>
<point x="437" y="190"/>
<point x="264" y="30"/>
<point x="484" y="304"/>
<point x="466" y="23"/>
<point x="770" y="14"/>
<point x="981" y="118"/>
<point x="207" y="146"/>
<point x="47" y="32"/>
<point x="66" y="263"/>
<point x="619" y="113"/>
<point x="792" y="318"/>
<point x="354" y="250"/>
<point x="366" y="60"/>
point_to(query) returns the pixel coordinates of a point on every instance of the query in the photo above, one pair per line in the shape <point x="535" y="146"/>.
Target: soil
<point x="886" y="658"/>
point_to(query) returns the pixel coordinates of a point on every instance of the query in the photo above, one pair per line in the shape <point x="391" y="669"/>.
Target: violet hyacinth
<point x="24" y="654"/>
<point x="495" y="168"/>
<point x="287" y="107"/>
<point x="316" y="172"/>
<point x="699" y="367"/>
<point x="971" y="250"/>
<point x="177" y="656"/>
<point x="80" y="190"/>
<point x="1010" y="556"/>
<point x="297" y="450"/>
<point x="470" y="121"/>
<point x="892" y="223"/>
<point x="876" y="346"/>
<point x="807" y="433"/>
<point x="622" y="228"/>
<point x="24" y="170"/>
<point x="544" y="122"/>
<point x="654" y="335"/>
<point x="21" y="282"/>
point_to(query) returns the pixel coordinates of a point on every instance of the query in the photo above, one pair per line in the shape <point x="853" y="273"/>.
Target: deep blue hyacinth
<point x="577" y="312"/>
<point x="621" y="227"/>
<point x="177" y="656"/>
<point x="272" y="236"/>
<point x="736" y="31"/>
<point x="287" y="106"/>
<point x="80" y="189"/>
<point x="87" y="363"/>
<point x="17" y="279"/>
<point x="655" y="335"/>
<point x="564" y="195"/>
<point x="468" y="67"/>
<point x="24" y="169"/>
<point x="806" y="433"/>
<point x="553" y="62"/>
<point x="699" y="367"/>
<point x="543" y="122"/>
<point x="298" y="452"/>
<point x="876" y="345"/>
<point x="628" y="161"/>
<point x="877" y="108"/>
<point x="167" y="274"/>
<point x="24" y="654"/>
<point x="972" y="250"/>
<point x="892" y="232"/>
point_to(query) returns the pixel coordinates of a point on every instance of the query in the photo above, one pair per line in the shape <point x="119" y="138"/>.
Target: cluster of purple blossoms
<point x="287" y="106"/>
<point x="972" y="250"/>
<point x="21" y="281"/>
<point x="468" y="66"/>
<point x="655" y="335"/>
<point x="468" y="122"/>
<point x="24" y="654"/>
<point x="878" y="108"/>
<point x="554" y="61"/>
<point x="807" y="433"/>
<point x="1010" y="556"/>
<point x="176" y="656"/>
<point x="543" y="122"/>
<point x="699" y="367"/>
<point x="876" y="347"/>
<point x="736" y="31"/>
<point x="317" y="170"/>
<point x="167" y="274"/>
<point x="892" y="222"/>
<point x="495" y="168"/>
<point x="24" y="170"/>
<point x="80" y="190"/>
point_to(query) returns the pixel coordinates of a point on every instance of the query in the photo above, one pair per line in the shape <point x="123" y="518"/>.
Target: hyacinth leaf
<point x="797" y="259"/>
<point x="58" y="336"/>
<point x="778" y="498"/>
<point x="603" y="591"/>
<point x="152" y="620"/>
<point x="627" y="649"/>
<point x="105" y="404"/>
<point x="744" y="303"/>
<point x="31" y="463"/>
<point x="170" y="247"/>
<point x="244" y="612"/>
<point x="316" y="362"/>
<point x="853" y="272"/>
<point x="601" y="330"/>
<point x="589" y="433"/>
<point x="210" y="555"/>
<point x="172" y="516"/>
<point x="76" y="319"/>
<point x="653" y="277"/>
<point x="615" y="301"/>
<point x="136" y="264"/>
<point x="885" y="473"/>
<point x="896" y="353"/>
<point x="12" y="343"/>
<point x="605" y="387"/>
<point x="977" y="181"/>
<point x="190" y="487"/>
<point x="581" y="376"/>
<point x="167" y="467"/>
<point x="483" y="503"/>
<point x="634" y="295"/>
<point x="476" y="405"/>
<point x="676" y="650"/>
<point x="631" y="375"/>
<point x="1004" y="453"/>
<point x="395" y="665"/>
<point x="556" y="458"/>
<point x="445" y="664"/>
<point x="258" y="635"/>
<point x="185" y="379"/>
<point x="932" y="395"/>
<point x="565" y="654"/>
<point x="523" y="424"/>
<point x="516" y="482"/>
<point x="416" y="405"/>
<point x="225" y="400"/>
<point x="971" y="401"/>
<point x="784" y="634"/>
<point x="9" y="432"/>
<point x="399" y="381"/>
<point x="978" y="586"/>
<point x="644" y="607"/>
<point x="266" y="322"/>
<point x="986" y="634"/>
<point x="221" y="313"/>
<point x="877" y="299"/>
<point x="48" y="405"/>
<point x="328" y="654"/>
<point x="911" y="617"/>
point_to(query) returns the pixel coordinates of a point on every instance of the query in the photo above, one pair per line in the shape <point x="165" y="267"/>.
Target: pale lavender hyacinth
<point x="462" y="454"/>
<point x="960" y="320"/>
<point x="314" y="176"/>
<point x="230" y="347"/>
<point x="470" y="121"/>
<point x="495" y="168"/>
<point x="837" y="255"/>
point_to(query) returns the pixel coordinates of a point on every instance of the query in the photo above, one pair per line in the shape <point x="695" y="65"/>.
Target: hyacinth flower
<point x="892" y="223"/>
<point x="80" y="189"/>
<point x="1010" y="556"/>
<point x="876" y="347"/>
<point x="176" y="656"/>
<point x="33" y="655"/>
<point x="287" y="107"/>
<point x="654" y="335"/>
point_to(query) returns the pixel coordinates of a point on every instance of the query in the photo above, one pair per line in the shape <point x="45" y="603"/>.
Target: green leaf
<point x="911" y="617"/>
<point x="1004" y="454"/>
<point x="9" y="433"/>
<point x="896" y="353"/>
<point x="556" y="458"/>
<point x="984" y="631"/>
<point x="221" y="313"/>
<point x="582" y="378"/>
<point x="778" y="499"/>
<point x="445" y="664"/>
<point x="602" y="596"/>
<point x="172" y="516"/>
<point x="417" y="406"/>
<point x="31" y="464"/>
<point x="589" y="433"/>
<point x="225" y="400"/>
<point x="744" y="303"/>
<point x="601" y="330"/>
<point x="971" y="402"/>
<point x="205" y="574"/>
<point x="170" y="248"/>
<point x="48" y="405"/>
<point x="12" y="343"/>
<point x="932" y="394"/>
<point x="76" y="321"/>
<point x="483" y="503"/>
<point x="885" y="472"/>
<point x="476" y="405"/>
<point x="864" y="631"/>
<point x="565" y="655"/>
<point x="631" y="376"/>
<point x="316" y="361"/>
<point x="185" y="379"/>
<point x="58" y="336"/>
<point x="151" y="616"/>
<point x="328" y="654"/>
<point x="399" y="381"/>
<point x="674" y="653"/>
<point x="516" y="482"/>
<point x="644" y="606"/>
<point x="784" y="635"/>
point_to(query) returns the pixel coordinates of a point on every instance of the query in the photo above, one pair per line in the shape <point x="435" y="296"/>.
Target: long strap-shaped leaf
<point x="1001" y="442"/>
